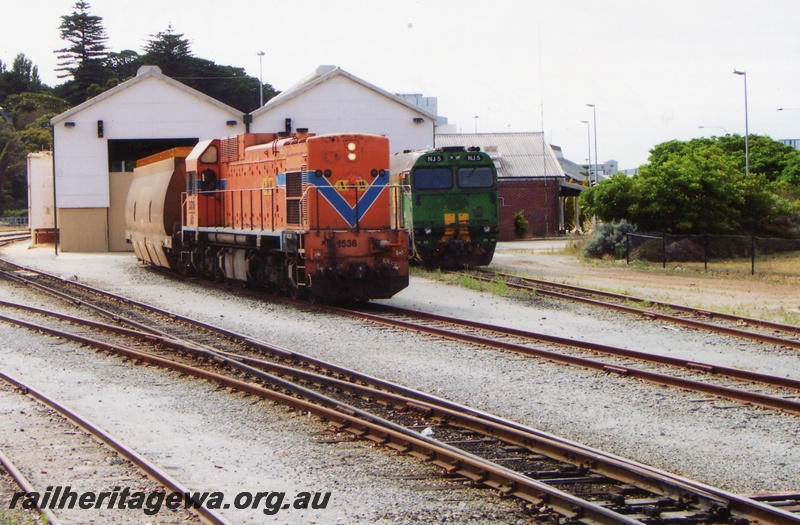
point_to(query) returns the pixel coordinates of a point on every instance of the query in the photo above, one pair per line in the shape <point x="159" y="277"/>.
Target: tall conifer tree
<point x="84" y="58"/>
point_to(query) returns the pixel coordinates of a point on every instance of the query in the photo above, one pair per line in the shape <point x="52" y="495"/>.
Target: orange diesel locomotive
<point x="309" y="215"/>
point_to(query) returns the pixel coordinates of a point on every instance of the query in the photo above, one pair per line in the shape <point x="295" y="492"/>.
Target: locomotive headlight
<point x="351" y="148"/>
<point x="487" y="229"/>
<point x="428" y="231"/>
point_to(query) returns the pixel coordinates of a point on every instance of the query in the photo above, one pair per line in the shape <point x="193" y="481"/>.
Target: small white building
<point x="331" y="100"/>
<point x="41" y="212"/>
<point x="97" y="143"/>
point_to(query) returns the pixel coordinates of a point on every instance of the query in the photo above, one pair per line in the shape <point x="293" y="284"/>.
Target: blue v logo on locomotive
<point x="351" y="214"/>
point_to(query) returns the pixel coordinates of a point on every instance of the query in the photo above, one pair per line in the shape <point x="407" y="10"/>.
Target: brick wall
<point x="538" y="200"/>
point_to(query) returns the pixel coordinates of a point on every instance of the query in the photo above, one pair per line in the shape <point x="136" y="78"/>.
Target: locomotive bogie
<point x="456" y="248"/>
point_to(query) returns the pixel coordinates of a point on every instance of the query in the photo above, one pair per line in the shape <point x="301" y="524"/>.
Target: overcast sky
<point x="656" y="70"/>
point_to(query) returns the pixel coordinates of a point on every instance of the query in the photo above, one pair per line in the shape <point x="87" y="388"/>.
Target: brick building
<point x="530" y="179"/>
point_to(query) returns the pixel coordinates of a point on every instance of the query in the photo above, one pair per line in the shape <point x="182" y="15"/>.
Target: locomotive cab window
<point x="475" y="177"/>
<point x="209" y="156"/>
<point x="433" y="179"/>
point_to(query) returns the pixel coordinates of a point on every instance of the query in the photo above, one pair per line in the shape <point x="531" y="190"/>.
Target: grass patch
<point x="20" y="517"/>
<point x="497" y="286"/>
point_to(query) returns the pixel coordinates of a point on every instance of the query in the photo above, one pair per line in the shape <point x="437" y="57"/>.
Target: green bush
<point x="609" y="239"/>
<point x="521" y="225"/>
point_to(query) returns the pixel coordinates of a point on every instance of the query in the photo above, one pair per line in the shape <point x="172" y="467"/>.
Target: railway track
<point x="86" y="453"/>
<point x="13" y="236"/>
<point x="557" y="479"/>
<point x="776" y="392"/>
<point x="715" y="322"/>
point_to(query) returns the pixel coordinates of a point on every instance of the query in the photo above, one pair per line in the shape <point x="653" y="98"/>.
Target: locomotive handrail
<point x="214" y="206"/>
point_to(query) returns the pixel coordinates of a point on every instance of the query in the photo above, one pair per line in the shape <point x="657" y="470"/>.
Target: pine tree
<point x="169" y="51"/>
<point x="84" y="58"/>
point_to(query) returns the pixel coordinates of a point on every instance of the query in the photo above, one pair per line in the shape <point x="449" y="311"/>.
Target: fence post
<point x="627" y="249"/>
<point x="705" y="252"/>
<point x="664" y="250"/>
<point x="752" y="254"/>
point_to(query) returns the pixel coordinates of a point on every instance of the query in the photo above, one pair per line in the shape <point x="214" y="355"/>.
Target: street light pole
<point x="746" y="126"/>
<point x="260" y="79"/>
<point x="589" y="149"/>
<point x="596" y="158"/>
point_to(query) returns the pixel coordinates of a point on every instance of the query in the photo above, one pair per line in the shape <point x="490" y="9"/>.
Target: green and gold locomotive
<point x="452" y="211"/>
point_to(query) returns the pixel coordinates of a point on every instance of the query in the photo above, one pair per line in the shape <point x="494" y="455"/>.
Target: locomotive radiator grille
<point x="294" y="197"/>
<point x="294" y="184"/>
<point x="229" y="149"/>
<point x="293" y="212"/>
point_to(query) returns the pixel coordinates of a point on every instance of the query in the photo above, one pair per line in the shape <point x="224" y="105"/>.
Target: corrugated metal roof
<point x="515" y="155"/>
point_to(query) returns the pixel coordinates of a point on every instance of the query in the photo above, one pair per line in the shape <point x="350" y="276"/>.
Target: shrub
<point x="521" y="225"/>
<point x="608" y="239"/>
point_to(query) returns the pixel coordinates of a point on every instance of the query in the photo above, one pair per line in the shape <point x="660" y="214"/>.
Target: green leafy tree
<point x="123" y="65"/>
<point x="171" y="52"/>
<point x="13" y="178"/>
<point x="693" y="192"/>
<point x="767" y="156"/>
<point x="84" y="59"/>
<point x="27" y="107"/>
<point x="611" y="199"/>
<point x="23" y="77"/>
<point x="701" y="186"/>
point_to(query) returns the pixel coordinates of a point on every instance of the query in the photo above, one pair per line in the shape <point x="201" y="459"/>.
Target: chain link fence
<point x="22" y="222"/>
<point x="725" y="253"/>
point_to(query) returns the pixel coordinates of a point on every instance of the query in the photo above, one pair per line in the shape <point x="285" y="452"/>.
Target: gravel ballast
<point x="216" y="440"/>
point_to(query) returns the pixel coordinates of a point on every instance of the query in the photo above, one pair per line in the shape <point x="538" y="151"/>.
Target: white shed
<point x="96" y="144"/>
<point x="40" y="197"/>
<point x="331" y="100"/>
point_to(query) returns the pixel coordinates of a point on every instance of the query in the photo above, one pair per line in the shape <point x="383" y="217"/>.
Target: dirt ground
<point x="762" y="296"/>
